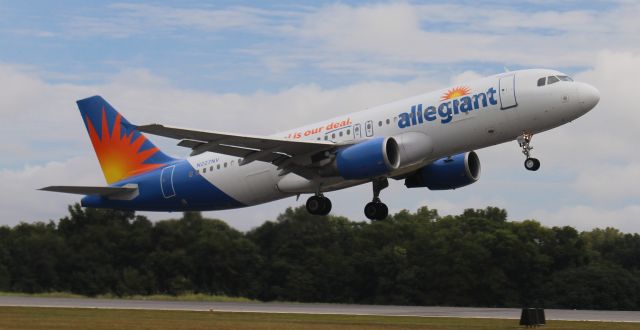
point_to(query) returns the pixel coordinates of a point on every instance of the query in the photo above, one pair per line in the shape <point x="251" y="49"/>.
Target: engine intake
<point x="447" y="173"/>
<point x="368" y="159"/>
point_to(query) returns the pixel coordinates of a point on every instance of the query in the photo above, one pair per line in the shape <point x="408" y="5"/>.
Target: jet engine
<point x="447" y="173"/>
<point x="379" y="156"/>
<point x="367" y="159"/>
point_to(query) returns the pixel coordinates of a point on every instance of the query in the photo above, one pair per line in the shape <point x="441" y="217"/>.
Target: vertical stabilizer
<point x="121" y="149"/>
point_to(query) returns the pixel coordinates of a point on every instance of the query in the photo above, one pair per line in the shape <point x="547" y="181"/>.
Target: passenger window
<point x="218" y="166"/>
<point x="326" y="137"/>
<point x="225" y="165"/>
<point x="388" y="121"/>
<point x="204" y="170"/>
<point x="333" y="136"/>
<point x="211" y="169"/>
<point x="541" y="81"/>
<point x="348" y="132"/>
<point x="552" y="80"/>
<point x="380" y="123"/>
<point x="340" y="133"/>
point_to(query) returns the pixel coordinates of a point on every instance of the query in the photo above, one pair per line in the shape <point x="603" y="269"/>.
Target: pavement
<point x="305" y="308"/>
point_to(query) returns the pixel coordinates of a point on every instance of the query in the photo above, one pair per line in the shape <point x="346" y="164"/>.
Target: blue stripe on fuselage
<point x="192" y="193"/>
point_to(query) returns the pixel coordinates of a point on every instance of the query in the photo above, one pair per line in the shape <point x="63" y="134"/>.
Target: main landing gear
<point x="318" y="205"/>
<point x="531" y="164"/>
<point x="377" y="210"/>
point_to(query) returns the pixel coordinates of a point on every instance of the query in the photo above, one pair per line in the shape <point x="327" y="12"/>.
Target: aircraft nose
<point x="589" y="96"/>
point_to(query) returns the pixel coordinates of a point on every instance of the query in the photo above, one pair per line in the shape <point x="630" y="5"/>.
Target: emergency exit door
<point x="507" y="92"/>
<point x="368" y="128"/>
<point x="357" y="134"/>
<point x="166" y="181"/>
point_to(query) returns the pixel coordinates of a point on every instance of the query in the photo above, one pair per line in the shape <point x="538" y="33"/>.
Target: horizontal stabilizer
<point x="126" y="192"/>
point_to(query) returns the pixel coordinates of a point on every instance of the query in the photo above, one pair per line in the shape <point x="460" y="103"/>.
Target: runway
<point x="303" y="308"/>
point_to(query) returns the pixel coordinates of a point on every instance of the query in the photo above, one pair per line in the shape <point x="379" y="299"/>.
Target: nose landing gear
<point x="524" y="140"/>
<point x="318" y="205"/>
<point x="377" y="210"/>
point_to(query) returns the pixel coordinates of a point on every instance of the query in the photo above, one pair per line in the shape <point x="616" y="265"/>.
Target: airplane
<point x="427" y="140"/>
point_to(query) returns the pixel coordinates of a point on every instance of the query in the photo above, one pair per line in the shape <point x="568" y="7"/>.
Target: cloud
<point x="384" y="39"/>
<point x="409" y="36"/>
<point x="21" y="201"/>
<point x="584" y="217"/>
<point x="130" y="19"/>
<point x="610" y="182"/>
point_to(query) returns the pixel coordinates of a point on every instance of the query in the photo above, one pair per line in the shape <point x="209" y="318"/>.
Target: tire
<point x="371" y="210"/>
<point x="376" y="211"/>
<point x="314" y="205"/>
<point x="532" y="164"/>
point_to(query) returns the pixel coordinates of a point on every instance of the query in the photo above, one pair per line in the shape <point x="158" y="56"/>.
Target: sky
<point x="262" y="67"/>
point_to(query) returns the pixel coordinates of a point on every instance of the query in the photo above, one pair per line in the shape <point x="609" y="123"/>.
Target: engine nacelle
<point x="413" y="147"/>
<point x="447" y="173"/>
<point x="368" y="159"/>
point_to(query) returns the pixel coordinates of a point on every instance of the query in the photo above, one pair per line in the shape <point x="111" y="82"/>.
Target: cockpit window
<point x="552" y="80"/>
<point x="541" y="81"/>
<point x="565" y="78"/>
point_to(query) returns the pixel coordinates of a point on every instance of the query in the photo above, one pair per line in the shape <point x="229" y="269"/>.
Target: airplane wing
<point x="281" y="152"/>
<point x="111" y="192"/>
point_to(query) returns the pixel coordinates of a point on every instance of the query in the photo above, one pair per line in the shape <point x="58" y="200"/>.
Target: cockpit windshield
<point x="552" y="80"/>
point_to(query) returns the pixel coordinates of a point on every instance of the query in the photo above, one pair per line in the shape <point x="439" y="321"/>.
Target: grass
<point x="161" y="297"/>
<point x="42" y="295"/>
<point x="96" y="319"/>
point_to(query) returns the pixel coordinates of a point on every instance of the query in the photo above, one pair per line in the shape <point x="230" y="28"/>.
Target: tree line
<point x="477" y="258"/>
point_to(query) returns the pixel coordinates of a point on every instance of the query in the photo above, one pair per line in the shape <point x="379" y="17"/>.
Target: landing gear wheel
<point x="532" y="164"/>
<point x="314" y="204"/>
<point x="376" y="211"/>
<point x="318" y="205"/>
<point x="524" y="141"/>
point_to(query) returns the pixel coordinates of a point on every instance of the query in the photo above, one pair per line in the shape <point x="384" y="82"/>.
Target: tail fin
<point x="121" y="149"/>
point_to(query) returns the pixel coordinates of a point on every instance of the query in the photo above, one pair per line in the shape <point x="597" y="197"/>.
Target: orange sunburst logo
<point x="119" y="157"/>
<point x="455" y="93"/>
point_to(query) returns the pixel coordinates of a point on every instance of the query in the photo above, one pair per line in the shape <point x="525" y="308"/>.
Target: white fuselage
<point x="498" y="109"/>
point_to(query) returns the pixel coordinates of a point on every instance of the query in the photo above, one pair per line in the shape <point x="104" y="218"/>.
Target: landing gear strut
<point x="318" y="205"/>
<point x="377" y="210"/>
<point x="524" y="140"/>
